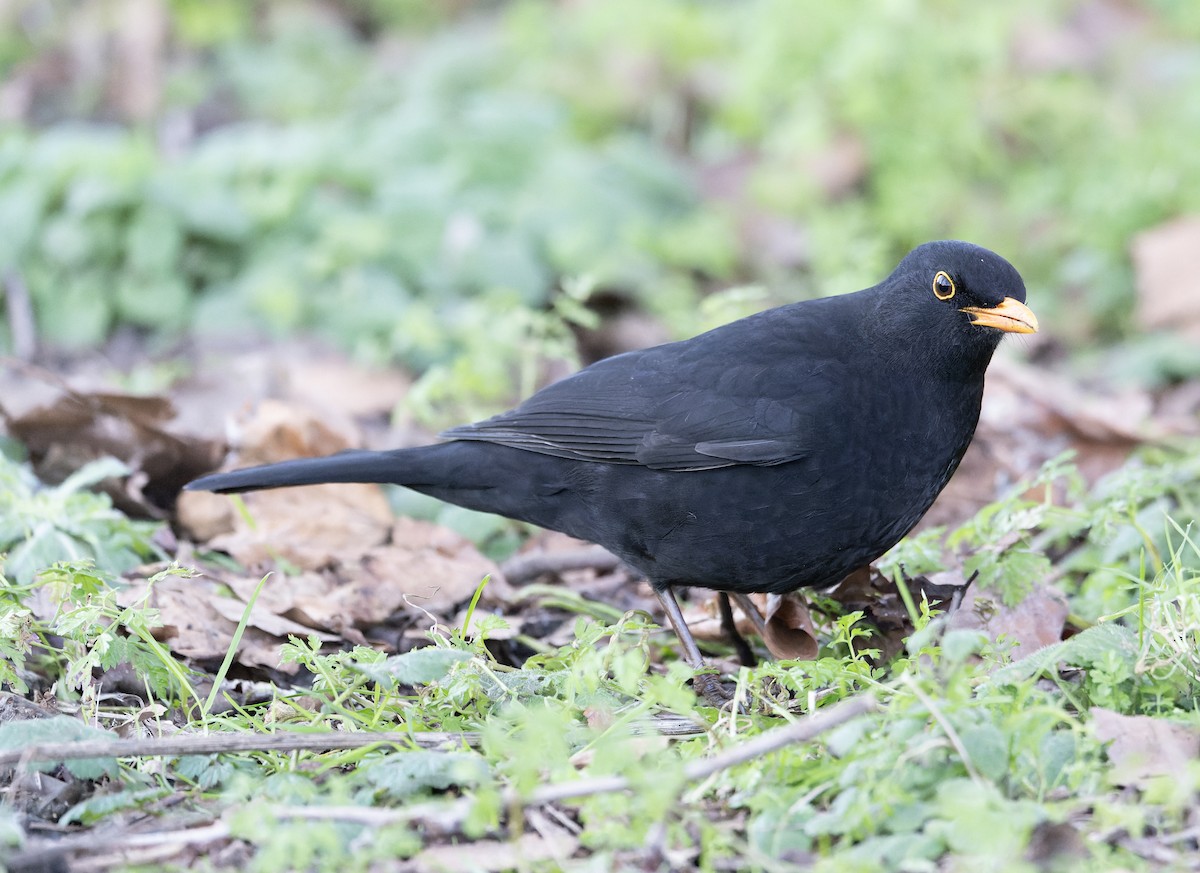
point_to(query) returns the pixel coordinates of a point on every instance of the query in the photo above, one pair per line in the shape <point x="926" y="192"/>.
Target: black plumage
<point x="779" y="451"/>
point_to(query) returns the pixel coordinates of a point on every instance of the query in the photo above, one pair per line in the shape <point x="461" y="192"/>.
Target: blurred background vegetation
<point x="433" y="182"/>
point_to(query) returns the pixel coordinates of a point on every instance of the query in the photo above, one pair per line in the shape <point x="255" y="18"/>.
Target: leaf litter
<point x="346" y="571"/>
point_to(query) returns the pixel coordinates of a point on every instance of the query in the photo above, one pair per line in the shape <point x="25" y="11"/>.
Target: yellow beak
<point x="1010" y="316"/>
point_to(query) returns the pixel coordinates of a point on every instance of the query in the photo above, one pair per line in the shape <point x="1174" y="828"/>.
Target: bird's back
<point x="862" y="452"/>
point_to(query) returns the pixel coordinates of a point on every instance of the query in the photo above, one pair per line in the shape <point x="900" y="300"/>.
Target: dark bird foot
<point x="710" y="687"/>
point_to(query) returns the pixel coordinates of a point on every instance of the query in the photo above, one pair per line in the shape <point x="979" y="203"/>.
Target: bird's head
<point x="966" y="294"/>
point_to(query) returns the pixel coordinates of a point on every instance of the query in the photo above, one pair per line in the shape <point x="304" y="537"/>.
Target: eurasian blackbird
<point x="777" y="452"/>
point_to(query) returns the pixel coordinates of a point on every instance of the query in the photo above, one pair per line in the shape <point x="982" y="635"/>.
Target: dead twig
<point x="525" y="568"/>
<point x="442" y="815"/>
<point x="229" y="743"/>
<point x="102" y="851"/>
<point x="799" y="731"/>
<point x="215" y="744"/>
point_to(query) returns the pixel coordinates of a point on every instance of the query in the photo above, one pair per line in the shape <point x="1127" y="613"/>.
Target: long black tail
<point x="541" y="489"/>
<point x="358" y="466"/>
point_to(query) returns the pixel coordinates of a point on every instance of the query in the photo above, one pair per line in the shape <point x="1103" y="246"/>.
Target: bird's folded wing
<point x="612" y="421"/>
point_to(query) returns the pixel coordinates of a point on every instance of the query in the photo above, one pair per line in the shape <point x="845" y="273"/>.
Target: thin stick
<point x="800" y="731"/>
<point x="449" y="815"/>
<point x="214" y="744"/>
<point x="229" y="743"/>
<point x="524" y="568"/>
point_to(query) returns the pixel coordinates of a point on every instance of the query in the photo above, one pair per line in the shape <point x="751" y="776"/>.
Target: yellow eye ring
<point x="943" y="286"/>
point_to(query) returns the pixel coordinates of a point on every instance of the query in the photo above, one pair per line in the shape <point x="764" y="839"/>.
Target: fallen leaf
<point x="13" y="707"/>
<point x="325" y="525"/>
<point x="1168" y="287"/>
<point x="488" y="855"/>
<point x="64" y="428"/>
<point x="425" y="568"/>
<point x="1141" y="747"/>
<point x="789" y="634"/>
<point x="188" y="621"/>
<point x="198" y="621"/>
<point x="1030" y="416"/>
<point x="279" y="431"/>
<point x="262" y="618"/>
<point x="1034" y="623"/>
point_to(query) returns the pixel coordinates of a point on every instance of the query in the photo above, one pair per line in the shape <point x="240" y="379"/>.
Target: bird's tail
<point x="358" y="466"/>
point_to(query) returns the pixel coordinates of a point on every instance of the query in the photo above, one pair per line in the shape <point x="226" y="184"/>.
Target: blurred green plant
<point x="1043" y="130"/>
<point x="377" y="224"/>
<point x="41" y="524"/>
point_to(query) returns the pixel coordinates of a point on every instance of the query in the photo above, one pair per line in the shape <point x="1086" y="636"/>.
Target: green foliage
<point x="968" y="129"/>
<point x="97" y="633"/>
<point x="40" y="525"/>
<point x="88" y="634"/>
<point x="1108" y="543"/>
<point x="963" y="761"/>
<point x="452" y="206"/>
<point x="418" y="667"/>
<point x="401" y="775"/>
<point x="372" y="224"/>
<point x="59" y="729"/>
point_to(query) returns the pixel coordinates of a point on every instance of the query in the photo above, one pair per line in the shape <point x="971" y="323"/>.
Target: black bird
<point x="777" y="452"/>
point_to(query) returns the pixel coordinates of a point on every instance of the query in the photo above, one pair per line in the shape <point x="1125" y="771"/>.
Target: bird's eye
<point x="943" y="286"/>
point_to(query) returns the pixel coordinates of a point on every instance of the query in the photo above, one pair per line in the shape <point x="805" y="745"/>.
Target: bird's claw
<point x="710" y="687"/>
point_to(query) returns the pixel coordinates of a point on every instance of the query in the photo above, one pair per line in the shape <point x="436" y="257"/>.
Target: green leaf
<point x="418" y="667"/>
<point x="1090" y="646"/>
<point x="153" y="242"/>
<point x="155" y="302"/>
<point x="92" y="473"/>
<point x="403" y="774"/>
<point x="987" y="748"/>
<point x="100" y="806"/>
<point x="61" y="729"/>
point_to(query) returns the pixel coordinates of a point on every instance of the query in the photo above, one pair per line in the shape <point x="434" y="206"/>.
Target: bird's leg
<point x="747" y="606"/>
<point x="744" y="653"/>
<point x="707" y="684"/>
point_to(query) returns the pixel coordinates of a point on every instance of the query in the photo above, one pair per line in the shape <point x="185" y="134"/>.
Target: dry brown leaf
<point x="198" y="621"/>
<point x="281" y="591"/>
<point x="64" y="428"/>
<point x="1029" y="416"/>
<point x="488" y="855"/>
<point x="203" y="516"/>
<point x="310" y="530"/>
<point x="257" y="648"/>
<point x="189" y="623"/>
<point x="424" y="568"/>
<point x="279" y="431"/>
<point x="332" y="383"/>
<point x="263" y="619"/>
<point x="1168" y="286"/>
<point x="13" y="707"/>
<point x="1141" y="748"/>
<point x="790" y="634"/>
<point x="1034" y="623"/>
